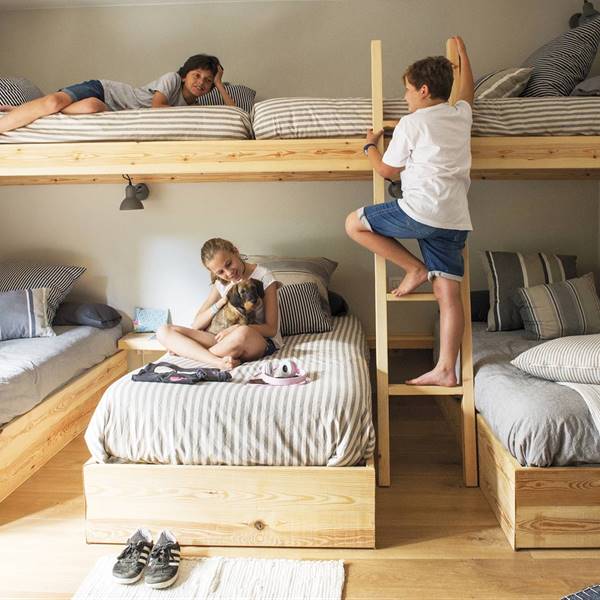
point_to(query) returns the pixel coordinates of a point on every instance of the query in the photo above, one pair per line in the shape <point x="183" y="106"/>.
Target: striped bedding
<point x="159" y="124"/>
<point x="324" y="422"/>
<point x="291" y="118"/>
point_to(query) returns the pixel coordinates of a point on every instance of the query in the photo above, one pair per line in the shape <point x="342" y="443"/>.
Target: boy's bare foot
<point x="411" y="281"/>
<point x="229" y="363"/>
<point x="441" y="377"/>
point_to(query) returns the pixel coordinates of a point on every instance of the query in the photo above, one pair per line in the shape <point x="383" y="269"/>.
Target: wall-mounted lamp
<point x="134" y="194"/>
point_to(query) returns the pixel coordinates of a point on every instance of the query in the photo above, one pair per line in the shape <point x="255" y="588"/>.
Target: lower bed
<point x="239" y="464"/>
<point x="326" y="422"/>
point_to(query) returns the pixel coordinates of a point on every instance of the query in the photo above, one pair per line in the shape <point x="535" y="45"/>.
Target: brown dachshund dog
<point x="243" y="300"/>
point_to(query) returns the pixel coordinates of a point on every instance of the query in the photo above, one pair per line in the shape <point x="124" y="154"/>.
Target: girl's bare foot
<point x="438" y="376"/>
<point x="411" y="281"/>
<point x="229" y="363"/>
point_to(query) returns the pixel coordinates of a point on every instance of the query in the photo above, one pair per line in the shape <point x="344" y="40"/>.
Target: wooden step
<point x="414" y="297"/>
<point x="390" y="123"/>
<point x="402" y="389"/>
<point x="405" y="341"/>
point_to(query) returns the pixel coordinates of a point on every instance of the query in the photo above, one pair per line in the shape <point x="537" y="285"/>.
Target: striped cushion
<point x="243" y="97"/>
<point x="508" y="271"/>
<point x="301" y="311"/>
<point x="17" y="90"/>
<point x="58" y="278"/>
<point x="24" y="314"/>
<point x="573" y="359"/>
<point x="506" y="83"/>
<point x="554" y="310"/>
<point x="563" y="62"/>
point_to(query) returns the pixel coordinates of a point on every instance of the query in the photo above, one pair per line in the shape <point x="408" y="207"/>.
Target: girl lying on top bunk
<point x="237" y="343"/>
<point x="197" y="77"/>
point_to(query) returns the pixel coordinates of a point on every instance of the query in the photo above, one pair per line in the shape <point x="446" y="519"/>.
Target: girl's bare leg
<point x="243" y="343"/>
<point x="390" y="249"/>
<point x="85" y="107"/>
<point x="194" y="344"/>
<point x="30" y="111"/>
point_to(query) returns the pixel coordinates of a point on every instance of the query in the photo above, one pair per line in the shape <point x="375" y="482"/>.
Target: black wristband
<point x="367" y="146"/>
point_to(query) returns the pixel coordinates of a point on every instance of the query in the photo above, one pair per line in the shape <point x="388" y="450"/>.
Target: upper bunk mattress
<point x="541" y="423"/>
<point x="31" y="369"/>
<point x="159" y="124"/>
<point x="292" y="118"/>
<point x="324" y="422"/>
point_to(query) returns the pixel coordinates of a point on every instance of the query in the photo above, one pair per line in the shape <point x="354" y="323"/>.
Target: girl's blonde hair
<point x="210" y="248"/>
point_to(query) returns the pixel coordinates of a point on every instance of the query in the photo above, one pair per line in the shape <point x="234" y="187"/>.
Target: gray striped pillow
<point x="58" y="278"/>
<point x="24" y="314"/>
<point x="559" y="309"/>
<point x="564" y="61"/>
<point x="15" y="91"/>
<point x="507" y="83"/>
<point x="300" y="309"/>
<point x="574" y="359"/>
<point x="242" y="96"/>
<point x="509" y="271"/>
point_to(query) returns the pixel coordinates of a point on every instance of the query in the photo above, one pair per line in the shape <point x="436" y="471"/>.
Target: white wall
<point x="151" y="257"/>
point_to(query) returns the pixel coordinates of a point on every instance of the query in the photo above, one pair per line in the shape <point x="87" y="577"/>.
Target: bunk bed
<point x="280" y="490"/>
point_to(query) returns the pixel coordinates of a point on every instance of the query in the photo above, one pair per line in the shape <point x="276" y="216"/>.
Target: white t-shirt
<point x="265" y="276"/>
<point x="434" y="146"/>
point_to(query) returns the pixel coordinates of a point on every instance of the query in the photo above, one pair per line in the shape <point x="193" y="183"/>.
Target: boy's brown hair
<point x="435" y="72"/>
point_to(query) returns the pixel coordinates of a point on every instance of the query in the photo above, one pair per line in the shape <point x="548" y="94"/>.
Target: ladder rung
<point x="390" y="123"/>
<point x="415" y="297"/>
<point x="403" y="389"/>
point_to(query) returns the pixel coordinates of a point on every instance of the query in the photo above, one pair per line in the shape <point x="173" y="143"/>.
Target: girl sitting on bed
<point x="238" y="343"/>
<point x="198" y="76"/>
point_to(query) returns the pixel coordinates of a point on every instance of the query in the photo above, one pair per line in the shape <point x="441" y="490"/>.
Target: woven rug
<point x="220" y="578"/>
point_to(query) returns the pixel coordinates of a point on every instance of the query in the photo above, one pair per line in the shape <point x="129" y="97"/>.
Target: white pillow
<point x="572" y="359"/>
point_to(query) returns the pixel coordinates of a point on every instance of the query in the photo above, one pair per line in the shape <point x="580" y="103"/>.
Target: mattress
<point x="324" y="422"/>
<point x="31" y="369"/>
<point x="540" y="423"/>
<point x="158" y="124"/>
<point x="285" y="118"/>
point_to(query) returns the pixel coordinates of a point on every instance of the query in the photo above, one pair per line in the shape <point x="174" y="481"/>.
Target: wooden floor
<point x="436" y="539"/>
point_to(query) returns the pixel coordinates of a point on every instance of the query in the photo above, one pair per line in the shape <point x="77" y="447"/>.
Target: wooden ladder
<point x="385" y="389"/>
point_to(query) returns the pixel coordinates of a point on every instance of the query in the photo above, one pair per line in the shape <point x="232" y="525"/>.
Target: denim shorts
<point x="271" y="348"/>
<point x="441" y="248"/>
<point x="87" y="89"/>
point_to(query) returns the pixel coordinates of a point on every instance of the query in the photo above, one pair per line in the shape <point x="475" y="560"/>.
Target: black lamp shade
<point x="131" y="200"/>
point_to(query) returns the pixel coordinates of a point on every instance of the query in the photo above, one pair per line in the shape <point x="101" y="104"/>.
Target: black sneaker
<point x="131" y="562"/>
<point x="163" y="564"/>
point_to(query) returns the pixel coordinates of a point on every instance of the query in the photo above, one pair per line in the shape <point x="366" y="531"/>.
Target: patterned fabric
<point x="508" y="271"/>
<point x="148" y="124"/>
<point x="15" y="91"/>
<point x="506" y="83"/>
<point x="564" y="61"/>
<point x="296" y="118"/>
<point x="23" y="275"/>
<point x="24" y="314"/>
<point x="301" y="310"/>
<point x="287" y="270"/>
<point x="554" y="310"/>
<point x="574" y="359"/>
<point x="326" y="422"/>
<point x="243" y="97"/>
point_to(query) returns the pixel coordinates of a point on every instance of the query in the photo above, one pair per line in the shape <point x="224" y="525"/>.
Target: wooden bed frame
<point x="550" y="507"/>
<point x="31" y="440"/>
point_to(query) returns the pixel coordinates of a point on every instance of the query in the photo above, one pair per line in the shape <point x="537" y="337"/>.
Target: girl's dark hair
<point x="199" y="61"/>
<point x="435" y="72"/>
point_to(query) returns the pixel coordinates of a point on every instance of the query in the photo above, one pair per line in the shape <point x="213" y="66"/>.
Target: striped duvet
<point x="283" y="118"/>
<point x="159" y="124"/>
<point x="324" y="422"/>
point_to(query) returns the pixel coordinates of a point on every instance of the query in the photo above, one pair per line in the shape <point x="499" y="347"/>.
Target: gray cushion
<point x="564" y="61"/>
<point x="508" y="271"/>
<point x="301" y="311"/>
<point x="24" y="314"/>
<point x="563" y="308"/>
<point x="242" y="96"/>
<point x="507" y="83"/>
<point x="574" y="359"/>
<point x="91" y="314"/>
<point x="588" y="87"/>
<point x="15" y="91"/>
<point x="25" y="275"/>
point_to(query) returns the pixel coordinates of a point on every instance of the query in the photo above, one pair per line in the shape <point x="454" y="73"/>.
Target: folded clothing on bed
<point x="325" y="423"/>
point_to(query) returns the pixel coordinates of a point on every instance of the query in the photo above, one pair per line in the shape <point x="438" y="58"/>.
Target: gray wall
<point x="315" y="48"/>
